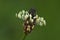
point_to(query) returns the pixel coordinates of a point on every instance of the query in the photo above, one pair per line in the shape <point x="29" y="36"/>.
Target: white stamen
<point x="36" y="16"/>
<point x="44" y="22"/>
<point x="27" y="22"/>
<point x="32" y="26"/>
<point x="27" y="13"/>
<point x="23" y="11"/>
<point x="16" y="14"/>
<point x="23" y="17"/>
<point x="28" y="28"/>
<point x="41" y="24"/>
<point x="26" y="16"/>
<point x="19" y="15"/>
<point x="38" y="20"/>
<point x="30" y="15"/>
<point x="41" y="19"/>
<point x="31" y="20"/>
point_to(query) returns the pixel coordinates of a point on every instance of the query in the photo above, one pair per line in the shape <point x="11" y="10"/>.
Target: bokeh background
<point x="11" y="28"/>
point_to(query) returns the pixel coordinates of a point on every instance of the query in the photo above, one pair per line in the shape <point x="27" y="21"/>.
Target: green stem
<point x="24" y="37"/>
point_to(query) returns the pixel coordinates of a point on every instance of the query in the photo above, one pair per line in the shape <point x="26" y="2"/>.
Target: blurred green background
<point x="11" y="28"/>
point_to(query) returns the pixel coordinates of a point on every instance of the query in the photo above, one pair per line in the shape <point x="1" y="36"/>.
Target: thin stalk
<point x="24" y="37"/>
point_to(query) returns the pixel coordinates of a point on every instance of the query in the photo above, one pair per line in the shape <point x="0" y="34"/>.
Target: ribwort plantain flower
<point x="30" y="19"/>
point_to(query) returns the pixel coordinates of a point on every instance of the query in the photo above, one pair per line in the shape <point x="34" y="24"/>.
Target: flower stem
<point x="24" y="37"/>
